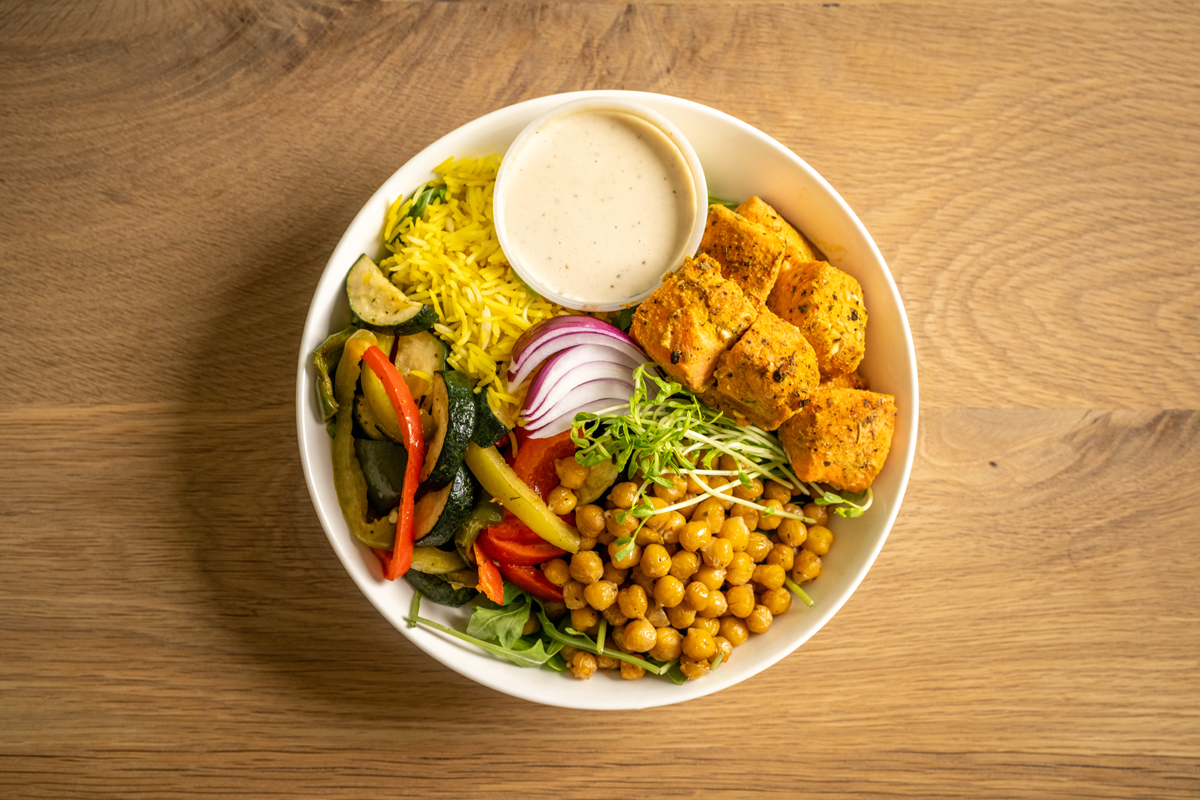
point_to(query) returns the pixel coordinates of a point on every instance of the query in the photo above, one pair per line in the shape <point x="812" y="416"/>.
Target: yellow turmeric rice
<point x="450" y="259"/>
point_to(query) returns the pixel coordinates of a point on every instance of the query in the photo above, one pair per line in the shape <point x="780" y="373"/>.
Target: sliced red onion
<point x="557" y="425"/>
<point x="617" y="391"/>
<point x="560" y="333"/>
<point x="570" y="368"/>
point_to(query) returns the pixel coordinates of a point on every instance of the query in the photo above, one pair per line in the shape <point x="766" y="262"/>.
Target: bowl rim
<point x="316" y="327"/>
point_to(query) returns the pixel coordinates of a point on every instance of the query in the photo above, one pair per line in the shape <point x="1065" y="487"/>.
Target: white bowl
<point x="603" y="102"/>
<point x="739" y="161"/>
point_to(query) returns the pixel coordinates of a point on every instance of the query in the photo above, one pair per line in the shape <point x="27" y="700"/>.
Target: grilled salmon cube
<point x="766" y="376"/>
<point x="826" y="305"/>
<point x="760" y="212"/>
<point x="689" y="321"/>
<point x="840" y="437"/>
<point x="750" y="255"/>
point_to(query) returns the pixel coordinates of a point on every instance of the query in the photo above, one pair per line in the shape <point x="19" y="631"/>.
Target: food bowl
<point x="609" y="204"/>
<point x="739" y="161"/>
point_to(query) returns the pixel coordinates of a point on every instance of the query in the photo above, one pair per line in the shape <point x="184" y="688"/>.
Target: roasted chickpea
<point x="556" y="571"/>
<point x="692" y="668"/>
<point x="807" y="568"/>
<point x="696" y="484"/>
<point x="590" y="519"/>
<point x="751" y="492"/>
<point x="608" y="662"/>
<point x="656" y="520"/>
<point x="587" y="543"/>
<point x="791" y="532"/>
<point x="583" y="665"/>
<point x="584" y="619"/>
<point x="567" y="653"/>
<point x="561" y="500"/>
<point x="695" y="535"/>
<point x="818" y="514"/>
<point x="646" y="535"/>
<point x="614" y="574"/>
<point x="717" y="606"/>
<point x="669" y="591"/>
<point x="712" y="577"/>
<point x="655" y="561"/>
<point x="684" y="564"/>
<point x="734" y="630"/>
<point x="624" y="494"/>
<point x="587" y="567"/>
<point x="769" y="576"/>
<point x="819" y="540"/>
<point x="709" y="624"/>
<point x="741" y="601"/>
<point x="718" y="553"/>
<point x="782" y="556"/>
<point x="632" y="557"/>
<point x="758" y="547"/>
<point x="695" y="595"/>
<point x="632" y="601"/>
<point x="631" y="672"/>
<point x="613" y="525"/>
<point x="656" y="615"/>
<point x="681" y="616"/>
<point x="673" y="525"/>
<point x="740" y="569"/>
<point x="774" y="490"/>
<point x="532" y="625"/>
<point x="668" y="644"/>
<point x="734" y="531"/>
<point x="674" y="492"/>
<point x="614" y="615"/>
<point x="747" y="514"/>
<point x="555" y="610"/>
<point x="573" y="595"/>
<point x="759" y="620"/>
<point x="769" y="522"/>
<point x="687" y="511"/>
<point x="640" y="636"/>
<point x="724" y="648"/>
<point x="777" y="601"/>
<point x="571" y="473"/>
<point x="601" y="594"/>
<point x="642" y="579"/>
<point x="698" y="644"/>
<point x="730" y="463"/>
<point x="711" y="511"/>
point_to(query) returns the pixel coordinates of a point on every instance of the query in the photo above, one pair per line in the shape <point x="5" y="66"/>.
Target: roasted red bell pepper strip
<point x="514" y="550"/>
<point x="532" y="580"/>
<point x="490" y="582"/>
<point x="414" y="442"/>
<point x="535" y="459"/>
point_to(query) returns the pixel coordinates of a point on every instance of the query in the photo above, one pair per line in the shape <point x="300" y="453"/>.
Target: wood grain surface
<point x="173" y="177"/>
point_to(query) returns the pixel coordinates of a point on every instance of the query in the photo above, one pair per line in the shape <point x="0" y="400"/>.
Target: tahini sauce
<point x="600" y="205"/>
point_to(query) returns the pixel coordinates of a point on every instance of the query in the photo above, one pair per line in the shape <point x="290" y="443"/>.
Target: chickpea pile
<point x="697" y="583"/>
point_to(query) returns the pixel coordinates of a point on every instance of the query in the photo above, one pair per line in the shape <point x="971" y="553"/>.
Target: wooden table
<point x="173" y="177"/>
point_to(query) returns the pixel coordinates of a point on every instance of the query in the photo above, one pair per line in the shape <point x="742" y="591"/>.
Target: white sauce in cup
<point x="596" y="202"/>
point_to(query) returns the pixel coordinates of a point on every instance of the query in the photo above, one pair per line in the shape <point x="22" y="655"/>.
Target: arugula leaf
<point x="624" y="318"/>
<point x="504" y="623"/>
<point x="422" y="200"/>
<point x="523" y="656"/>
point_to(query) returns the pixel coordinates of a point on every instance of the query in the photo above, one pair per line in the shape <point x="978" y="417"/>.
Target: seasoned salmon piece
<point x="689" y="321"/>
<point x="826" y="305"/>
<point x="758" y="211"/>
<point x="840" y="437"/>
<point x="766" y="376"/>
<point x="750" y="255"/>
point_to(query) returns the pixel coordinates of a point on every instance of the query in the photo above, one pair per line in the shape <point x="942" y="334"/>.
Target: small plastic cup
<point x="600" y="104"/>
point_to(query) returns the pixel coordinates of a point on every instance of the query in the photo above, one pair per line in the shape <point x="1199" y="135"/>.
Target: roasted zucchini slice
<point x="422" y="352"/>
<point x="383" y="463"/>
<point x="377" y="302"/>
<point x="438" y="589"/>
<point x="439" y="513"/>
<point x="488" y="427"/>
<point x="451" y="403"/>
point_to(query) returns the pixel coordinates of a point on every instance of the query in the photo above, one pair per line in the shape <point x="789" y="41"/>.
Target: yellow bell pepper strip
<point x="490" y="582"/>
<point x="348" y="477"/>
<point x="414" y="441"/>
<point x="499" y="479"/>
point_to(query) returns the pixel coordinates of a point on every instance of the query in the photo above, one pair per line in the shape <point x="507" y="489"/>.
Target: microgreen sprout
<point x="849" y="504"/>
